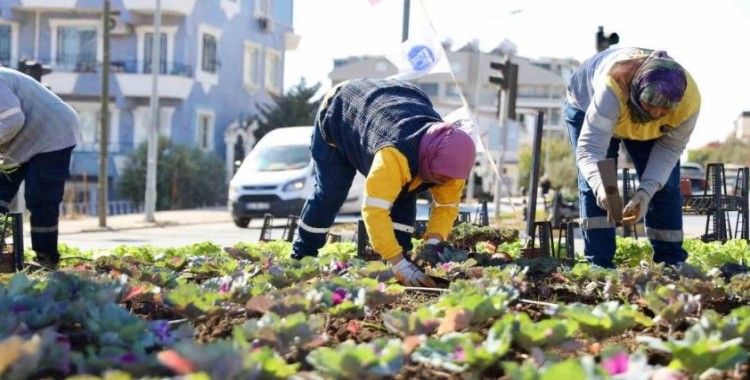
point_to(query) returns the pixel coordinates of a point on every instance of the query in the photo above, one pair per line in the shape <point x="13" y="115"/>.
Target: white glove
<point x="636" y="209"/>
<point x="408" y="274"/>
<point x="601" y="197"/>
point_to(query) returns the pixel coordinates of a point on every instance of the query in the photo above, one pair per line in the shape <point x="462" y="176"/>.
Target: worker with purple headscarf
<point x="388" y="131"/>
<point x="649" y="102"/>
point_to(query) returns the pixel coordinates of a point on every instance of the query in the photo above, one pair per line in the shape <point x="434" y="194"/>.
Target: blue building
<point x="220" y="59"/>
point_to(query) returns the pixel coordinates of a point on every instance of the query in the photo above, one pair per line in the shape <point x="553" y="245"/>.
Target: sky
<point x="709" y="38"/>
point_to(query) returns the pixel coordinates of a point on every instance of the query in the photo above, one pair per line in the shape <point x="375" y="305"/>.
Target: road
<point x="224" y="234"/>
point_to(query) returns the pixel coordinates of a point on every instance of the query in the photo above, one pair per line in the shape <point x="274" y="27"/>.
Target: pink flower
<point x="459" y="354"/>
<point x="446" y="266"/>
<point x="617" y="363"/>
<point x="381" y="287"/>
<point x="338" y="296"/>
<point x="340" y="265"/>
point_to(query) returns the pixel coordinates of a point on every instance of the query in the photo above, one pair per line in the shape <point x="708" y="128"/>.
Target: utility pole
<point x="405" y="28"/>
<point x="104" y="127"/>
<point x="506" y="102"/>
<point x="153" y="135"/>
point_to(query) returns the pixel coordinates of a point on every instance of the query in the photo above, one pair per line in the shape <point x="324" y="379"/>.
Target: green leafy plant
<point x="403" y="324"/>
<point x="548" y="332"/>
<point x="283" y="333"/>
<point x="348" y="360"/>
<point x="192" y="301"/>
<point x="630" y="252"/>
<point x="458" y="352"/>
<point x="700" y="350"/>
<point x="606" y="319"/>
<point x="670" y="305"/>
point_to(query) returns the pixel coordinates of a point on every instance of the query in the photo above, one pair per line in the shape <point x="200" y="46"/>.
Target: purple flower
<point x="225" y="285"/>
<point x="15" y="309"/>
<point x="338" y="296"/>
<point x="446" y="266"/>
<point x="128" y="358"/>
<point x="381" y="287"/>
<point x="161" y="330"/>
<point x="340" y="265"/>
<point x="616" y="364"/>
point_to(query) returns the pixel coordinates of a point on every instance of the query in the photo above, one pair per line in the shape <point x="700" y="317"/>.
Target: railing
<point x="91" y="208"/>
<point x="143" y="67"/>
<point x="112" y="147"/>
<point x="117" y="66"/>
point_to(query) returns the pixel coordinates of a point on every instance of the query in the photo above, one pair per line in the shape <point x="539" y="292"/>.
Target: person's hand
<point x="635" y="210"/>
<point x="601" y="201"/>
<point x="408" y="274"/>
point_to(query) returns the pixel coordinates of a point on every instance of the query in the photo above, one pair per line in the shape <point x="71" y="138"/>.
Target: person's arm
<point x="596" y="133"/>
<point x="11" y="115"/>
<point x="664" y="156"/>
<point x="446" y="198"/>
<point x="388" y="175"/>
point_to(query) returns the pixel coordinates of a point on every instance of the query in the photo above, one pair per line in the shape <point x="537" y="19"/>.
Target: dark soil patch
<point x="218" y="326"/>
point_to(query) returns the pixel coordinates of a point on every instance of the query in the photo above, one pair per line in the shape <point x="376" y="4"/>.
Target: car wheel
<point x="242" y="222"/>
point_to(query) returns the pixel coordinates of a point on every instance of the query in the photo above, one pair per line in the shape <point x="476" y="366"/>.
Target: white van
<point x="278" y="176"/>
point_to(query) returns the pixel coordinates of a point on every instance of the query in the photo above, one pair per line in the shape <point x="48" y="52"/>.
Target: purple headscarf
<point x="660" y="82"/>
<point x="447" y="150"/>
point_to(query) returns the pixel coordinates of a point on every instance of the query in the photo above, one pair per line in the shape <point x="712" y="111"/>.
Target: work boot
<point x="300" y="255"/>
<point x="48" y="260"/>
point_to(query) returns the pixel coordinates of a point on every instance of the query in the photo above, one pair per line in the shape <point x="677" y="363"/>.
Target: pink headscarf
<point x="445" y="149"/>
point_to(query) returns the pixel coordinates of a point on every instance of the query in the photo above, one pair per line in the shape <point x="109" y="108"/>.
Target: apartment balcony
<point x="48" y="5"/>
<point x="135" y="79"/>
<point x="168" y="7"/>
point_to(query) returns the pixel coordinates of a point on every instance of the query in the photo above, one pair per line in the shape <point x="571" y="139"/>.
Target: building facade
<point x="742" y="126"/>
<point x="219" y="60"/>
<point x="541" y="86"/>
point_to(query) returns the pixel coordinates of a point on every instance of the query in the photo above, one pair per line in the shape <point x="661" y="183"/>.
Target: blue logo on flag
<point x="421" y="58"/>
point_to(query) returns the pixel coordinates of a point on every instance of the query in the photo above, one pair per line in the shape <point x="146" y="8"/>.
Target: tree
<point x="562" y="170"/>
<point x="295" y="108"/>
<point x="731" y="151"/>
<point x="187" y="177"/>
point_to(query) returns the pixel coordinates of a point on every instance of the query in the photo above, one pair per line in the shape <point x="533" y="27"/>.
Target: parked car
<point x="278" y="176"/>
<point x="696" y="174"/>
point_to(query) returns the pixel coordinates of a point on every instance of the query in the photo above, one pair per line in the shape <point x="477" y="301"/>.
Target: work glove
<point x="408" y="274"/>
<point x="601" y="201"/>
<point x="636" y="209"/>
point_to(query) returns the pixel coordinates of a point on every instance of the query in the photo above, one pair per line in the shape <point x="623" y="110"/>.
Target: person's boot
<point x="300" y="256"/>
<point x="48" y="260"/>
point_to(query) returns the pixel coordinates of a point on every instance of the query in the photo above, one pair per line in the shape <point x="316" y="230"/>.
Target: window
<point x="77" y="48"/>
<point x="273" y="71"/>
<point x="252" y="66"/>
<point x="5" y="45"/>
<point x="262" y="8"/>
<point x="208" y="58"/>
<point x="205" y="130"/>
<point x="452" y="91"/>
<point x="89" y="114"/>
<point x="207" y="63"/>
<point x="142" y="123"/>
<point x="148" y="46"/>
<point x="554" y="117"/>
<point x="431" y="89"/>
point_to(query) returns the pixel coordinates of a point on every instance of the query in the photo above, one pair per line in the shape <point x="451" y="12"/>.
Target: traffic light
<point x="34" y="69"/>
<point x="505" y="75"/>
<point x="604" y="41"/>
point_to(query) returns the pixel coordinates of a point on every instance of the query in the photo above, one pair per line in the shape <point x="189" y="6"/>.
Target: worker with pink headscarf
<point x="388" y="131"/>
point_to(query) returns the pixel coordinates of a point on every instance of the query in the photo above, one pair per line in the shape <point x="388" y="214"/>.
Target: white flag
<point x="465" y="119"/>
<point x="422" y="53"/>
